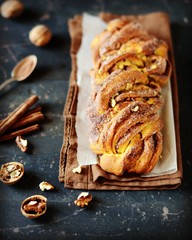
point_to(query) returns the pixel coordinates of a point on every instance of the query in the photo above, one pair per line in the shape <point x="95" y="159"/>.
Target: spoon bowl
<point x="22" y="70"/>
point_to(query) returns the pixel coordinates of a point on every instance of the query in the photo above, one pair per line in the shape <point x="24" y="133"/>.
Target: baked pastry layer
<point x="130" y="69"/>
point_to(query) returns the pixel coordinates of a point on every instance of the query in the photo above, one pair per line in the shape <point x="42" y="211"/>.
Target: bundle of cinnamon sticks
<point x="23" y="120"/>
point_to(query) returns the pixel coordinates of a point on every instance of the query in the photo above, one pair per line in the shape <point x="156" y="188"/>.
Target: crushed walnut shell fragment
<point x="83" y="199"/>
<point x="46" y="186"/>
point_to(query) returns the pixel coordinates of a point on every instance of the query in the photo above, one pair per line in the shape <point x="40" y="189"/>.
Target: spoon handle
<point x="8" y="81"/>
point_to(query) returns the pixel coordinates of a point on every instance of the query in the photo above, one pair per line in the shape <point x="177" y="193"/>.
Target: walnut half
<point x="11" y="172"/>
<point x="34" y="206"/>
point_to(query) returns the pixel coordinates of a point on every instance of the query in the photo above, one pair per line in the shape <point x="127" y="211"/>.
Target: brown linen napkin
<point x="92" y="176"/>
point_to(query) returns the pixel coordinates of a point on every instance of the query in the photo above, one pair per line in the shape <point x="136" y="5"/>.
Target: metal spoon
<point x="22" y="70"/>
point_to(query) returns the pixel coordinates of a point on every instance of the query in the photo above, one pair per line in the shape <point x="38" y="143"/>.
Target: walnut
<point x="152" y="67"/>
<point x="11" y="8"/>
<point x="78" y="169"/>
<point x="45" y="186"/>
<point x="135" y="109"/>
<point x="11" y="172"/>
<point x="22" y="143"/>
<point x="113" y="102"/>
<point x="83" y="199"/>
<point x="34" y="206"/>
<point x="40" y="35"/>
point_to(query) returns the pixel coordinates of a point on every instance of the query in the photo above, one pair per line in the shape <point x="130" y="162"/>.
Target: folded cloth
<point x="92" y="176"/>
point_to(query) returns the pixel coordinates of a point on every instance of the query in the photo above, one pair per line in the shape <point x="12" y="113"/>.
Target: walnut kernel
<point x="135" y="109"/>
<point x="40" y="35"/>
<point x="83" y="199"/>
<point x="22" y="143"/>
<point x="78" y="169"/>
<point x="113" y="102"/>
<point x="45" y="186"/>
<point x="11" y="8"/>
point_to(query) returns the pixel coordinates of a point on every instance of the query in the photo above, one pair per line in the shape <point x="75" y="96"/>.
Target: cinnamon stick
<point x="20" y="132"/>
<point x="29" y="112"/>
<point x="13" y="117"/>
<point x="27" y="120"/>
<point x="33" y="110"/>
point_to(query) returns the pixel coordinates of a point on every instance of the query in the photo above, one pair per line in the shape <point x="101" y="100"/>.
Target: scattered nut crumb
<point x="77" y="169"/>
<point x="128" y="86"/>
<point x="113" y="102"/>
<point x="83" y="199"/>
<point x="135" y="109"/>
<point x="152" y="67"/>
<point x="22" y="143"/>
<point x="45" y="186"/>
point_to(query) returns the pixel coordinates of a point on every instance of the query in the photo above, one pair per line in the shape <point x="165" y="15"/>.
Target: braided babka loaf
<point x="130" y="69"/>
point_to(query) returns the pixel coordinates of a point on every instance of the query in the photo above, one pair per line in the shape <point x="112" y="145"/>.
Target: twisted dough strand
<point x="130" y="68"/>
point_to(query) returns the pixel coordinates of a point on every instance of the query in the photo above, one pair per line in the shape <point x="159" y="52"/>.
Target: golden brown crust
<point x="130" y="68"/>
<point x="124" y="85"/>
<point x="124" y="34"/>
<point x="130" y="47"/>
<point x="112" y="131"/>
<point x="141" y="156"/>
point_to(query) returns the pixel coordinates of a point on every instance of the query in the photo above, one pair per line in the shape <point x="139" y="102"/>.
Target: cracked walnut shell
<point x="11" y="172"/>
<point x="34" y="206"/>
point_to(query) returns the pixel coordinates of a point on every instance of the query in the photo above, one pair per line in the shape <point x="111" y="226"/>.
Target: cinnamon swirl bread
<point x="130" y="67"/>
